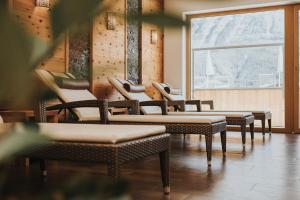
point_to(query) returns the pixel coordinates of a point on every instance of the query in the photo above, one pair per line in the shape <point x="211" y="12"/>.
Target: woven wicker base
<point x="263" y="117"/>
<point x="243" y="122"/>
<point x="114" y="155"/>
<point x="191" y="128"/>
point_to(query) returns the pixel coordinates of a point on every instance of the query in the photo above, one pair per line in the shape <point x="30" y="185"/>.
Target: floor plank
<point x="269" y="169"/>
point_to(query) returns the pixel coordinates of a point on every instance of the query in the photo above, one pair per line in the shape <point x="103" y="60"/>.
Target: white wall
<point x="174" y="42"/>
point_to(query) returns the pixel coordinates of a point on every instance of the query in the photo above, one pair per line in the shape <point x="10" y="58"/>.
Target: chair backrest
<point x="1" y="120"/>
<point x="139" y="96"/>
<point x="171" y="97"/>
<point x="69" y="95"/>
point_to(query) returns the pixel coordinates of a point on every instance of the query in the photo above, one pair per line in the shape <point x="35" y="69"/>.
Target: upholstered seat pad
<point x="166" y="119"/>
<point x="252" y="111"/>
<point x="261" y="112"/>
<point x="70" y="95"/>
<point x="226" y="114"/>
<point x="1" y="120"/>
<point x="95" y="133"/>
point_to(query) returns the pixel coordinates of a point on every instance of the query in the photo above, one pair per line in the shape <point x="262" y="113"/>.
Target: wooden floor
<point x="268" y="170"/>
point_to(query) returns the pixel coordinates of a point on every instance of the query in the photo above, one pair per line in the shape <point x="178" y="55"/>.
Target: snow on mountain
<point x="242" y="67"/>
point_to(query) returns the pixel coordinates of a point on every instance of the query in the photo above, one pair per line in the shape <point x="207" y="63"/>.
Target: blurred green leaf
<point x="20" y="140"/>
<point x="72" y="14"/>
<point x="39" y="50"/>
<point x="17" y="51"/>
<point x="159" y="19"/>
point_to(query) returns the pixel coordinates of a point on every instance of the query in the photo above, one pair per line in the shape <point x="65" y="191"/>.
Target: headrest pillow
<point x="73" y="84"/>
<point x="134" y="88"/>
<point x="172" y="91"/>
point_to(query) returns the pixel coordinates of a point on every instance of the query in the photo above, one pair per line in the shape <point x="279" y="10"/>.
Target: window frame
<point x="290" y="77"/>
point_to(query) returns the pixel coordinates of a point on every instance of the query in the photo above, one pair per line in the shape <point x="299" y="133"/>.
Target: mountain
<point x="222" y="57"/>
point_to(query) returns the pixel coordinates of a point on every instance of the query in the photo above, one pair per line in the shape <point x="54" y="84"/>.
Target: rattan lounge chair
<point x="85" y="106"/>
<point x="112" y="145"/>
<point x="241" y="119"/>
<point x="166" y="93"/>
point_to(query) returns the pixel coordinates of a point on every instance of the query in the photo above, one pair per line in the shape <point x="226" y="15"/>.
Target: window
<point x="237" y="60"/>
<point x="238" y="51"/>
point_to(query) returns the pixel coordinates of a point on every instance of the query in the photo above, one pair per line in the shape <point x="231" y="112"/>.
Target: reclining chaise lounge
<point x="135" y="92"/>
<point x="175" y="96"/>
<point x="83" y="105"/>
<point x="109" y="144"/>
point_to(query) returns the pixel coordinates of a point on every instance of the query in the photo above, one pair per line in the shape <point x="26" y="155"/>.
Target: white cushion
<point x="141" y="96"/>
<point x="81" y="95"/>
<point x="260" y="112"/>
<point x="166" y="119"/>
<point x="190" y="108"/>
<point x="254" y="112"/>
<point x="168" y="96"/>
<point x="94" y="133"/>
<point x="1" y="120"/>
<point x="213" y="113"/>
<point x="68" y="96"/>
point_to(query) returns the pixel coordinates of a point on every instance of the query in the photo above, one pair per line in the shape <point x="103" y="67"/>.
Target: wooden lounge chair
<point x="241" y="119"/>
<point x="166" y="93"/>
<point x="85" y="106"/>
<point x="112" y="145"/>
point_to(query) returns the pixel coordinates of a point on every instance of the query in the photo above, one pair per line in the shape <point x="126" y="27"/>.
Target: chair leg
<point x="263" y="126"/>
<point x="252" y="132"/>
<point x="43" y="167"/>
<point x="270" y="125"/>
<point x="223" y="141"/>
<point x="208" y="140"/>
<point x="113" y="170"/>
<point x="243" y="132"/>
<point x="165" y="170"/>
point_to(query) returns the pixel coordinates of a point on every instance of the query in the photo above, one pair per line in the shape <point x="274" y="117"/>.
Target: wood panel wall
<point x="36" y="21"/>
<point x="152" y="54"/>
<point x="108" y="47"/>
<point x="109" y="52"/>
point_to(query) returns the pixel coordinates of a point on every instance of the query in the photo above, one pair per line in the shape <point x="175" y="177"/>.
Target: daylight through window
<point x="238" y="51"/>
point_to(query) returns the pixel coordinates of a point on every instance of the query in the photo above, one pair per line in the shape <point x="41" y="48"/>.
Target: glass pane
<point x="255" y="67"/>
<point x="239" y="29"/>
<point x="238" y="61"/>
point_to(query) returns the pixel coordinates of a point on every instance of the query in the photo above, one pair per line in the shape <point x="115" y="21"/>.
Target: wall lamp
<point x="42" y="3"/>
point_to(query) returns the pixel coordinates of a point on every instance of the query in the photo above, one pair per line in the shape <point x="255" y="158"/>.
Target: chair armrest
<point x="101" y="104"/>
<point x="161" y="103"/>
<point x="210" y="103"/>
<point x="132" y="106"/>
<point x="194" y="102"/>
<point x="177" y="104"/>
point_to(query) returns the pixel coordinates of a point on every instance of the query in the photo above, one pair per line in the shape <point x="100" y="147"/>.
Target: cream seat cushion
<point x="253" y="112"/>
<point x="168" y="96"/>
<point x="1" y="120"/>
<point x="166" y="119"/>
<point x="94" y="133"/>
<point x="261" y="112"/>
<point x="68" y="95"/>
<point x="190" y="108"/>
<point x="141" y="96"/>
<point x="213" y="113"/>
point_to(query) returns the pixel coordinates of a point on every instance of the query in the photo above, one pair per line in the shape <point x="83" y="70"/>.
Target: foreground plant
<point x="20" y="54"/>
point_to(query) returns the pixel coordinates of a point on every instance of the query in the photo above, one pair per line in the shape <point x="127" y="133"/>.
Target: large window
<point x="238" y="50"/>
<point x="238" y="61"/>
